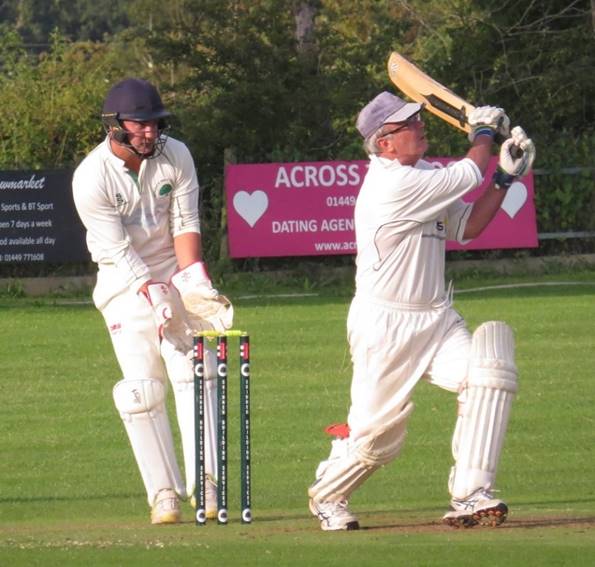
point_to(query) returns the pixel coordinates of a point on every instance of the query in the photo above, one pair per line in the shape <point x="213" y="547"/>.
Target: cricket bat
<point x="439" y="100"/>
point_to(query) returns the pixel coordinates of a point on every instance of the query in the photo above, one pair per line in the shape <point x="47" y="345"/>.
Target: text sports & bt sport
<point x="37" y="218"/>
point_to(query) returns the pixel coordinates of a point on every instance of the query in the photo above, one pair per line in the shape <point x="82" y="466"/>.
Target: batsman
<point x="137" y="194"/>
<point x="402" y="327"/>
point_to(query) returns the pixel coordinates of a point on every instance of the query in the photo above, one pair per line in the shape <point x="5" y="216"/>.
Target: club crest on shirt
<point x="165" y="189"/>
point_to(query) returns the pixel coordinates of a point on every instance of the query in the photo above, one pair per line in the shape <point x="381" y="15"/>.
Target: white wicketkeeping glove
<point x="201" y="299"/>
<point x="514" y="163"/>
<point x="157" y="295"/>
<point x="488" y="120"/>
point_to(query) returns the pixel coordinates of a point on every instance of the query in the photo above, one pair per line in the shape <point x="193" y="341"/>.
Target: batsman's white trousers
<point x="392" y="348"/>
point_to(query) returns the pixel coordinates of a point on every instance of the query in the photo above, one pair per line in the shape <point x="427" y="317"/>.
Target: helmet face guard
<point x="139" y="101"/>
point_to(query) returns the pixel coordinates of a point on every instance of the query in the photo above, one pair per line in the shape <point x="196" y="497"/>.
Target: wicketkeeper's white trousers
<point x="142" y="355"/>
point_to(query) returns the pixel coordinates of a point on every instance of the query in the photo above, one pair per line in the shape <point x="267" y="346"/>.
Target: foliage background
<point x="282" y="80"/>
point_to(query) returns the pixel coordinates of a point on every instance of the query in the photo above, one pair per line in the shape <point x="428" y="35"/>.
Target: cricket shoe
<point x="334" y="515"/>
<point x="210" y="498"/>
<point x="166" y="508"/>
<point x="477" y="508"/>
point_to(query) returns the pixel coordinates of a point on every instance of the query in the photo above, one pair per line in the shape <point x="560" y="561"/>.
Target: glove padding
<point x="157" y="294"/>
<point x="510" y="161"/>
<point x="206" y="308"/>
<point x="181" y="331"/>
<point x="217" y="312"/>
<point x="488" y="120"/>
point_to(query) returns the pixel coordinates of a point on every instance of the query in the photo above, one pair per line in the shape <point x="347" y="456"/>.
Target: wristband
<point x="503" y="180"/>
<point x="484" y="131"/>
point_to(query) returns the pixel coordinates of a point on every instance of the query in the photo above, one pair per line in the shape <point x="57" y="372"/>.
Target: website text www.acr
<point x="335" y="246"/>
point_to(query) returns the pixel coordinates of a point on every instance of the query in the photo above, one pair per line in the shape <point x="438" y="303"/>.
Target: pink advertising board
<point x="306" y="209"/>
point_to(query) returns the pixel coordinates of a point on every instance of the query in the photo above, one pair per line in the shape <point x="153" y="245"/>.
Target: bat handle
<point x="515" y="151"/>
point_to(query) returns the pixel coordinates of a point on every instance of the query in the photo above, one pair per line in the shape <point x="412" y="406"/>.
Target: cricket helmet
<point x="137" y="100"/>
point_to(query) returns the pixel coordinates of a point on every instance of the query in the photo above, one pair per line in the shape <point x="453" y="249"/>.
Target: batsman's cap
<point x="384" y="108"/>
<point x="134" y="99"/>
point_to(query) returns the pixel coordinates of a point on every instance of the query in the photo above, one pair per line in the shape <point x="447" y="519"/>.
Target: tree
<point x="88" y="20"/>
<point x="283" y="80"/>
<point x="50" y="104"/>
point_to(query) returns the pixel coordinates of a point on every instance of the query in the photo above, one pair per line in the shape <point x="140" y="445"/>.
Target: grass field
<point x="70" y="493"/>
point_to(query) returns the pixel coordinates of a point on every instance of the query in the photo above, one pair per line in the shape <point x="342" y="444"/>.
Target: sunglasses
<point x="406" y="123"/>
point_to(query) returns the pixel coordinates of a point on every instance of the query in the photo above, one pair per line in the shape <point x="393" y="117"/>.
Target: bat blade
<point x="438" y="99"/>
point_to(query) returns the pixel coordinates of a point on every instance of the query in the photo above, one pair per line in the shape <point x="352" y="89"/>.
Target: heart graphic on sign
<point x="251" y="206"/>
<point x="516" y="197"/>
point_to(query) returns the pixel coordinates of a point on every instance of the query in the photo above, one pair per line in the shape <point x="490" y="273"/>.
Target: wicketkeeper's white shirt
<point x="131" y="219"/>
<point x="403" y="216"/>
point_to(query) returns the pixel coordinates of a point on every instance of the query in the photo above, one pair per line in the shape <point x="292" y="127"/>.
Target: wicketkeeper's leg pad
<point x="350" y="463"/>
<point x="484" y="409"/>
<point x="181" y="374"/>
<point x="141" y="404"/>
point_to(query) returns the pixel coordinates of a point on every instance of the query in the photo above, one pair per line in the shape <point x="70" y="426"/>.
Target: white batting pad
<point x="141" y="404"/>
<point x="181" y="374"/>
<point x="350" y="464"/>
<point x="484" y="409"/>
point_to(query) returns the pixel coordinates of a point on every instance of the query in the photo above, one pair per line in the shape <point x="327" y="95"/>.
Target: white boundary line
<point x="296" y="295"/>
<point x="277" y="295"/>
<point x="261" y="296"/>
<point x="518" y="285"/>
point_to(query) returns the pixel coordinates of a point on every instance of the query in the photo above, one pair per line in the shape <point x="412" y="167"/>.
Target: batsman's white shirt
<point x="401" y="326"/>
<point x="131" y="219"/>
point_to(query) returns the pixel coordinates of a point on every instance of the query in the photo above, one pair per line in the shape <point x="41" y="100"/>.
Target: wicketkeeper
<point x="137" y="195"/>
<point x="401" y="325"/>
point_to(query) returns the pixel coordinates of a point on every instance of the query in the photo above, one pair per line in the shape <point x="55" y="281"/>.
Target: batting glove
<point x="488" y="120"/>
<point x="514" y="163"/>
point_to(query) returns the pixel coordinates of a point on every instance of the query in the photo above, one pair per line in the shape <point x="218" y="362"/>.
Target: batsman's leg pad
<point x="141" y="404"/>
<point x="351" y="464"/>
<point x="181" y="373"/>
<point x="484" y="409"/>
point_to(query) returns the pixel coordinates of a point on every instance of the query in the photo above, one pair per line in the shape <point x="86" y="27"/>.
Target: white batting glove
<point x="488" y="120"/>
<point x="157" y="294"/>
<point x="517" y="155"/>
<point x="201" y="299"/>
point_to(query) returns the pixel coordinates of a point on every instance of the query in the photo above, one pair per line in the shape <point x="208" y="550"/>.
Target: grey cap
<point x="384" y="108"/>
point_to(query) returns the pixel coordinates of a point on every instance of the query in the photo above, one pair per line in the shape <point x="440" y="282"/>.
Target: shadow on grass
<point x="85" y="498"/>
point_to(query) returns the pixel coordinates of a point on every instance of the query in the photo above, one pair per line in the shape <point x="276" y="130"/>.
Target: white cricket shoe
<point x="210" y="498"/>
<point x="166" y="508"/>
<point x="477" y="508"/>
<point x="334" y="515"/>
